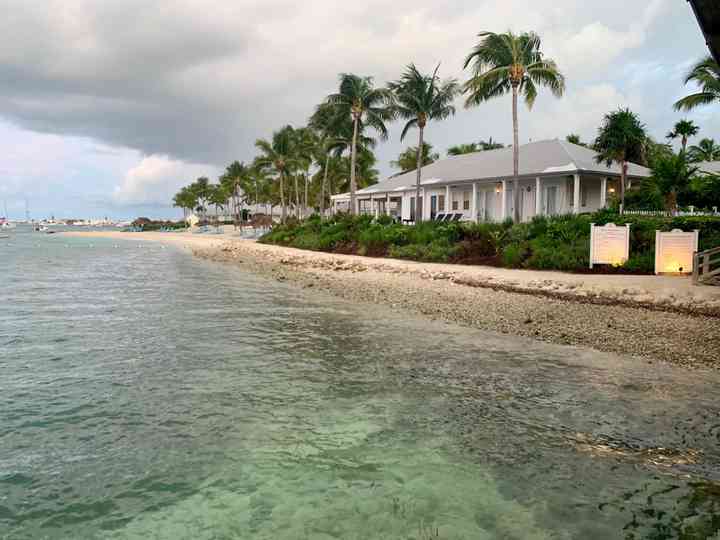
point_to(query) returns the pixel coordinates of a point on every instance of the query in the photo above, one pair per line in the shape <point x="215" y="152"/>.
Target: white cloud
<point x="156" y="179"/>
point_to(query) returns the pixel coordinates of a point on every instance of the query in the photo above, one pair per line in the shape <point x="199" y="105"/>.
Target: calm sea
<point x="148" y="394"/>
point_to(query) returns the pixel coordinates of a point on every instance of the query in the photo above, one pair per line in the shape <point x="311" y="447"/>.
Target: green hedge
<point x="558" y="243"/>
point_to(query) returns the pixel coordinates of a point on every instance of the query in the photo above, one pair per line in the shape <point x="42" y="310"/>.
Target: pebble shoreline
<point x="661" y="331"/>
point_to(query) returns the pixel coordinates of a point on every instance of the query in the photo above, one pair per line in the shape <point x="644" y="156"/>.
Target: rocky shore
<point x="672" y="327"/>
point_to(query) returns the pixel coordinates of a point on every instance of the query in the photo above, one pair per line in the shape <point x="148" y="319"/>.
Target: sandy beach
<point x="662" y="318"/>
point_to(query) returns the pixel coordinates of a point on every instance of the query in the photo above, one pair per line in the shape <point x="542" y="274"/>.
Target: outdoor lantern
<point x="674" y="251"/>
<point x="498" y="187"/>
<point x="611" y="190"/>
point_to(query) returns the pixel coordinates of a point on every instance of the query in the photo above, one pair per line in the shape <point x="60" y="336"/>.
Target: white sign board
<point x="609" y="244"/>
<point x="674" y="251"/>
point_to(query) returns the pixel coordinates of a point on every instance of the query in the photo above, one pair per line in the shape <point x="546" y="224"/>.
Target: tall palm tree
<point x="420" y="98"/>
<point x="684" y="129"/>
<point x="509" y="62"/>
<point x="328" y="125"/>
<point x="367" y="106"/>
<point x="621" y="139"/>
<point x="706" y="74"/>
<point x="278" y="155"/>
<point x="705" y="150"/>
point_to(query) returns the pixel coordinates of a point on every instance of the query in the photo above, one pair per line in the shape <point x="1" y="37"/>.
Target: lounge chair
<point x="457" y="217"/>
<point x="440" y="217"/>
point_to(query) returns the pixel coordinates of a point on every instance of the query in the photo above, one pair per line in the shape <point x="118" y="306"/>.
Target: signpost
<point x="674" y="251"/>
<point x="609" y="244"/>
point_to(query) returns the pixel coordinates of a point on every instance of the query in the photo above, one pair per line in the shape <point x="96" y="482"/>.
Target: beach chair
<point x="440" y="217"/>
<point x="457" y="217"/>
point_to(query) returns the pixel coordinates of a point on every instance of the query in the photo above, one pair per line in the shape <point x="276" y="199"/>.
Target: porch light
<point x="611" y="190"/>
<point x="498" y="187"/>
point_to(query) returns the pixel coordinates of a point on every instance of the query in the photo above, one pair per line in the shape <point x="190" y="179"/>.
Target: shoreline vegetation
<point x="544" y="243"/>
<point x="653" y="318"/>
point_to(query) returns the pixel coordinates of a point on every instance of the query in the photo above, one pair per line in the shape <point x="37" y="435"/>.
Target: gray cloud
<point x="200" y="80"/>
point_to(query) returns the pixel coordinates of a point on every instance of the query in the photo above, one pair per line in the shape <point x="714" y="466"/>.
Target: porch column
<point x="538" y="197"/>
<point x="387" y="204"/>
<point x="473" y="204"/>
<point x="576" y="194"/>
<point x="448" y="205"/>
<point x="503" y="201"/>
<point x="603" y="192"/>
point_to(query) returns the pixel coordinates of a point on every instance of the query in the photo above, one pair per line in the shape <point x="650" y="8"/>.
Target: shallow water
<point x="148" y="394"/>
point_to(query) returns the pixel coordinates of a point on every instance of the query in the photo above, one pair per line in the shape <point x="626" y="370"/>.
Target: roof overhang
<point x="708" y="16"/>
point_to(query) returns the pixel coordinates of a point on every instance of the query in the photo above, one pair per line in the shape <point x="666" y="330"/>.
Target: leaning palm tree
<point x="621" y="139"/>
<point x="420" y="98"/>
<point x="705" y="150"/>
<point x="278" y="155"/>
<point x="503" y="63"/>
<point x="683" y="130"/>
<point x="365" y="105"/>
<point x="705" y="74"/>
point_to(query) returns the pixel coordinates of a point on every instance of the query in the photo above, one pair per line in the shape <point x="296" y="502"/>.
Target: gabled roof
<point x="542" y="158"/>
<point x="708" y="16"/>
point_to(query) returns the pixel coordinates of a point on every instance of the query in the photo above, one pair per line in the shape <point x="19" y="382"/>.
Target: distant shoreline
<point x="662" y="319"/>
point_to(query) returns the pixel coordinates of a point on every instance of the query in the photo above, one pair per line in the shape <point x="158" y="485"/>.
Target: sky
<point x="108" y="107"/>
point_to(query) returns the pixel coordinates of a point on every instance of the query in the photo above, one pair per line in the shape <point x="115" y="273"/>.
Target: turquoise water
<point x="148" y="394"/>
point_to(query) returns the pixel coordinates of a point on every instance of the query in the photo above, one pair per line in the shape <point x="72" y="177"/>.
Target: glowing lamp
<point x="674" y="251"/>
<point x="611" y="190"/>
<point x="498" y="187"/>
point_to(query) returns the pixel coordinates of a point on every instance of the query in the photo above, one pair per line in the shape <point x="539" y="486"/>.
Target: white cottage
<point x="556" y="177"/>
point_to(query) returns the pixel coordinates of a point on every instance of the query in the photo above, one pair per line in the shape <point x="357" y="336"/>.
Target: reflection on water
<point x="146" y="394"/>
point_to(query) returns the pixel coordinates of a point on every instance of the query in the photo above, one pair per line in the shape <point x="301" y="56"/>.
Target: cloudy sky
<point x="108" y="106"/>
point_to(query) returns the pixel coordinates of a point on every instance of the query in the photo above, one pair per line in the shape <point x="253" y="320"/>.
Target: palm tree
<point x="234" y="180"/>
<point x="278" y="155"/>
<point x="672" y="175"/>
<point x="329" y="126"/>
<point x="705" y="150"/>
<point x="509" y="62"/>
<point x="407" y="160"/>
<point x="460" y="149"/>
<point x="621" y="139"/>
<point x="684" y="129"/>
<point x="420" y="98"/>
<point x="366" y="105"/>
<point x="705" y="74"/>
<point x="490" y="145"/>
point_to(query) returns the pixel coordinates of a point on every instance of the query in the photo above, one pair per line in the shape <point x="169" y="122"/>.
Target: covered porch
<point x="489" y="201"/>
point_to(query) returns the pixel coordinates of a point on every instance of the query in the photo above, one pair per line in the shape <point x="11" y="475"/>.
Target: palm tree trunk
<point x="353" y="158"/>
<point x="307" y="174"/>
<point x="283" y="209"/>
<point x="324" y="182"/>
<point x="418" y="176"/>
<point x="623" y="181"/>
<point x="516" y="157"/>
<point x="297" y="196"/>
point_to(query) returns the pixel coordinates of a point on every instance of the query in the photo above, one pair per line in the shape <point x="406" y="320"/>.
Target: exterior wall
<point x="556" y="198"/>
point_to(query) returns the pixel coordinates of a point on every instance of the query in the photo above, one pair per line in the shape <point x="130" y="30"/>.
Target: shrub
<point x="546" y="243"/>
